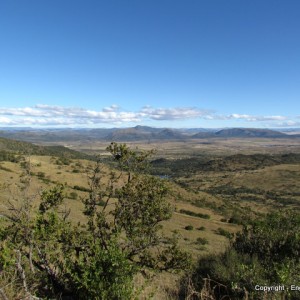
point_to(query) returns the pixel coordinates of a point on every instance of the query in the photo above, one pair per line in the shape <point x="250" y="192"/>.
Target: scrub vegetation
<point x="136" y="224"/>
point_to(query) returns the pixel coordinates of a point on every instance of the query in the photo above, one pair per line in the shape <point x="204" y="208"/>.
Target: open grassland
<point x="196" y="147"/>
<point x="47" y="171"/>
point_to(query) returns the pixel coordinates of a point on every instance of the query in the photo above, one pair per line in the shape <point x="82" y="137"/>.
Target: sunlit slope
<point x="47" y="171"/>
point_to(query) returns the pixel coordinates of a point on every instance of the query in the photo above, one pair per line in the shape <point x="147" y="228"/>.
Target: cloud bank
<point x="47" y="115"/>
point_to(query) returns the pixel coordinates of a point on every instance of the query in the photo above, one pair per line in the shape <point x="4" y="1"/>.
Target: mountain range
<point x="137" y="133"/>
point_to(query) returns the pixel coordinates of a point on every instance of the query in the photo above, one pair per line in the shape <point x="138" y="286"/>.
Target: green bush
<point x="222" y="231"/>
<point x="63" y="161"/>
<point x="48" y="256"/>
<point x="194" y="214"/>
<point x="189" y="227"/>
<point x="236" y="219"/>
<point x="201" y="241"/>
<point x="8" y="156"/>
<point x="5" y="169"/>
<point x="73" y="195"/>
<point x="41" y="175"/>
<point x="81" y="188"/>
<point x="266" y="252"/>
<point x="201" y="228"/>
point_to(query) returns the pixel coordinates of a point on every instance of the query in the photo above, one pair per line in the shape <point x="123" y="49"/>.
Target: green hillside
<point x="10" y="147"/>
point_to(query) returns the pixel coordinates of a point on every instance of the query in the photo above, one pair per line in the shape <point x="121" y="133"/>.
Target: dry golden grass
<point x="63" y="174"/>
<point x="189" y="147"/>
<point x="280" y="177"/>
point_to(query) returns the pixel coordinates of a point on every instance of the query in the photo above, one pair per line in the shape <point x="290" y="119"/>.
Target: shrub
<point x="45" y="254"/>
<point x="201" y="228"/>
<point x="63" y="161"/>
<point x="201" y="241"/>
<point x="5" y="169"/>
<point x="40" y="175"/>
<point x="266" y="252"/>
<point x="236" y="219"/>
<point x="73" y="195"/>
<point x="222" y="231"/>
<point x="189" y="227"/>
<point x="81" y="188"/>
<point x="194" y="214"/>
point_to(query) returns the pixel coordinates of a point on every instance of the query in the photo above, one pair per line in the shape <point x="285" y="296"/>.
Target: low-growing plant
<point x="194" y="214"/>
<point x="81" y="188"/>
<point x="189" y="227"/>
<point x="73" y="195"/>
<point x="266" y="252"/>
<point x="224" y="232"/>
<point x="201" y="241"/>
<point x="41" y="175"/>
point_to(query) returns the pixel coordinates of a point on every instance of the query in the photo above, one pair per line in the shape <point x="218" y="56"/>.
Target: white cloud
<point x="179" y="113"/>
<point x="6" y="121"/>
<point x="111" y="108"/>
<point x="57" y="115"/>
<point x="252" y="118"/>
<point x="42" y="114"/>
<point x="47" y="115"/>
<point x="289" y="123"/>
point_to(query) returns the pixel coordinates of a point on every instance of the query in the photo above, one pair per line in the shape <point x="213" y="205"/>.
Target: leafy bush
<point x="8" y="156"/>
<point x="201" y="241"/>
<point x="41" y="175"/>
<point x="266" y="252"/>
<point x="222" y="231"/>
<point x="73" y="195"/>
<point x="194" y="214"/>
<point x="46" y="255"/>
<point x="201" y="228"/>
<point x="63" y="161"/>
<point x="189" y="227"/>
<point x="5" y="169"/>
<point x="81" y="188"/>
<point x="236" y="219"/>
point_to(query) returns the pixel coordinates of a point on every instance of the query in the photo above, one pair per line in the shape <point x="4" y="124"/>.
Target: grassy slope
<point x="199" y="191"/>
<point x="25" y="148"/>
<point x="64" y="174"/>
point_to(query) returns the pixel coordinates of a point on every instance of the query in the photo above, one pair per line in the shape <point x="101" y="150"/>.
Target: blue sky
<point x="194" y="63"/>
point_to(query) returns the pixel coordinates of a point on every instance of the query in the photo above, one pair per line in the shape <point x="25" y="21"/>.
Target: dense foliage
<point x="265" y="253"/>
<point x="43" y="253"/>
<point x="231" y="163"/>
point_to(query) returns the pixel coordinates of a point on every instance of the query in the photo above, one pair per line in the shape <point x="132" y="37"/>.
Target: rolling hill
<point x="137" y="133"/>
<point x="26" y="148"/>
<point x="249" y="132"/>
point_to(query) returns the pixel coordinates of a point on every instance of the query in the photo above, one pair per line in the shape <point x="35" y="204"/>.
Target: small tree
<point x="124" y="209"/>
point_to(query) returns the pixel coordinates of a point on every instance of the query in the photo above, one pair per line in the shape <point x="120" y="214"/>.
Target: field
<point x="216" y="186"/>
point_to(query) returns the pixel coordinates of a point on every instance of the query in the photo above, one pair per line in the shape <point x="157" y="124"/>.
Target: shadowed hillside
<point x="137" y="133"/>
<point x="19" y="147"/>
